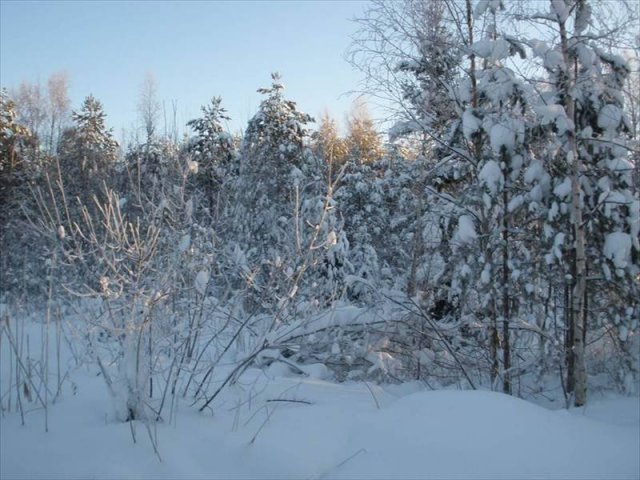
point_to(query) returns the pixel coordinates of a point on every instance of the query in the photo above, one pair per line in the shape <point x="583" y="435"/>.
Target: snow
<point x="559" y="7"/>
<point x="470" y="124"/>
<point x="491" y="176"/>
<point x="553" y="211"/>
<point x="494" y="50"/>
<point x="583" y="18"/>
<point x="609" y="118"/>
<point x="307" y="428"/>
<point x="384" y="362"/>
<point x="558" y="242"/>
<point x="465" y="271"/>
<point x="297" y="177"/>
<point x="464" y="90"/>
<point x="616" y="61"/>
<point x="501" y="49"/>
<point x="466" y="232"/>
<point x="185" y="243"/>
<point x="332" y="239"/>
<point x="201" y="281"/>
<point x="634" y="222"/>
<point x="563" y="189"/>
<point x="506" y="432"/>
<point x="553" y="59"/>
<point x="403" y="128"/>
<point x="534" y="172"/>
<point x="481" y="7"/>
<point x="535" y="194"/>
<point x="617" y="248"/>
<point x="619" y="165"/>
<point x="553" y="113"/>
<point x="586" y="55"/>
<point x="612" y="199"/>
<point x="515" y="203"/>
<point x="485" y="276"/>
<point x="502" y="136"/>
<point x="317" y="371"/>
<point x="276" y="423"/>
<point x="482" y="48"/>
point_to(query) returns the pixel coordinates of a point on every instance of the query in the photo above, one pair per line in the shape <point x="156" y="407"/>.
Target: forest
<point x="484" y="236"/>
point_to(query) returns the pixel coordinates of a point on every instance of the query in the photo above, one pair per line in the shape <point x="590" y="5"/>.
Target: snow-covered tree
<point x="214" y="153"/>
<point x="363" y="140"/>
<point x="17" y="176"/>
<point x="496" y="129"/>
<point x="11" y="135"/>
<point x="88" y="150"/>
<point x="31" y="111"/>
<point x="428" y="72"/>
<point x="58" y="108"/>
<point x="584" y="180"/>
<point x="283" y="205"/>
<point x="328" y="145"/>
<point x="361" y="202"/>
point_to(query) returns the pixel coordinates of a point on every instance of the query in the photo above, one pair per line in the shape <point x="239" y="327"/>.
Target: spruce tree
<point x="214" y="153"/>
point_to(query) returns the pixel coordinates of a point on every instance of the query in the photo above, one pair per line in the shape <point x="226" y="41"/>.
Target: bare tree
<point x="363" y="140"/>
<point x="149" y="105"/>
<point x="31" y="108"/>
<point x="329" y="146"/>
<point x="58" y="96"/>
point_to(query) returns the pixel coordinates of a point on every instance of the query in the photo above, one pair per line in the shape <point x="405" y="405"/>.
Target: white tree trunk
<point x="580" y="280"/>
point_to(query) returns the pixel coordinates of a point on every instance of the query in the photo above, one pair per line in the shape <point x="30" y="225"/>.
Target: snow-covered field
<point x="275" y="424"/>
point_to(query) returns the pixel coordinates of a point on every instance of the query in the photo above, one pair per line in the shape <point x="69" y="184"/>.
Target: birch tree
<point x="584" y="106"/>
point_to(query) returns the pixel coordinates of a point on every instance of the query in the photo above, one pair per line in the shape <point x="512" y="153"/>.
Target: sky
<point x="194" y="50"/>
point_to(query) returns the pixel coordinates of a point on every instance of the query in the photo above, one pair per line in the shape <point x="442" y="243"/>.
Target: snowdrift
<point x="332" y="431"/>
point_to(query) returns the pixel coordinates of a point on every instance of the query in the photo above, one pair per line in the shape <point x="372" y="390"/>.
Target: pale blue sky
<point x="194" y="49"/>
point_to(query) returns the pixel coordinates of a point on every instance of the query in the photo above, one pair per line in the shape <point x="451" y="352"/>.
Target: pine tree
<point x="428" y="76"/>
<point x="87" y="151"/>
<point x="360" y="198"/>
<point x="214" y="153"/>
<point x="272" y="150"/>
<point x="17" y="175"/>
<point x="283" y="207"/>
<point x="11" y="135"/>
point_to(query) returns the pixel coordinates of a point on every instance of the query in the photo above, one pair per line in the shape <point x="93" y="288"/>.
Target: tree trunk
<point x="494" y="342"/>
<point x="568" y="339"/>
<point x="417" y="249"/>
<point x="506" y="347"/>
<point x="580" y="279"/>
<point x="472" y="57"/>
<point x="579" y="320"/>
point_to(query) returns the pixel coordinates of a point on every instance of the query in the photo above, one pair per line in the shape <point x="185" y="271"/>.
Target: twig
<point x="133" y="431"/>
<point x="153" y="442"/>
<point x="269" y="415"/>
<point x="373" y="395"/>
<point x="440" y="336"/>
<point x="325" y="474"/>
<point x="21" y="365"/>
<point x="289" y="400"/>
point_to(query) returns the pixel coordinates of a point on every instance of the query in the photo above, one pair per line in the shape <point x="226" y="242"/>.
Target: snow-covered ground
<point x="329" y="430"/>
